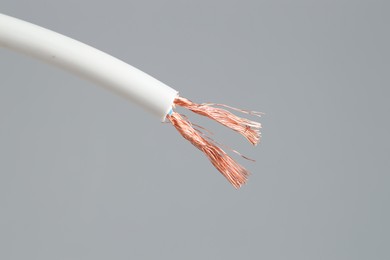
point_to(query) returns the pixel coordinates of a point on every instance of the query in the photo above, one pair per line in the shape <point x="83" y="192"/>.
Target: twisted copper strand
<point x="233" y="172"/>
<point x="249" y="129"/>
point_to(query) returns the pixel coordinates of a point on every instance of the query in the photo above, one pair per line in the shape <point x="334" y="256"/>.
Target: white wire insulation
<point x="87" y="62"/>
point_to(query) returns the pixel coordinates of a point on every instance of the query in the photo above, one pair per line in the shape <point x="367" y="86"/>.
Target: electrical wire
<point x="137" y="86"/>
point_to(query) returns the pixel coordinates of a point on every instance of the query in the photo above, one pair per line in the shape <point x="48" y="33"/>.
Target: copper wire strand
<point x="200" y="130"/>
<point x="248" y="128"/>
<point x="230" y="169"/>
<point x="245" y="111"/>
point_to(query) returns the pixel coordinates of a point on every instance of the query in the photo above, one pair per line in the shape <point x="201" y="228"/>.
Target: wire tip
<point x="230" y="169"/>
<point x="247" y="128"/>
<point x="233" y="172"/>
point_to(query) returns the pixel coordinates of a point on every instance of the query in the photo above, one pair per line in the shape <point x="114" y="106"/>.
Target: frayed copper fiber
<point x="249" y="129"/>
<point x="233" y="172"/>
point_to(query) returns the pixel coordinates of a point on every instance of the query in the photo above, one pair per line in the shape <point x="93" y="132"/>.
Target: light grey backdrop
<point x="86" y="175"/>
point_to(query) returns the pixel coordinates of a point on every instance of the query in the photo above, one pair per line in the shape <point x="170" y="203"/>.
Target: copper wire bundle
<point x="235" y="173"/>
<point x="249" y="129"/>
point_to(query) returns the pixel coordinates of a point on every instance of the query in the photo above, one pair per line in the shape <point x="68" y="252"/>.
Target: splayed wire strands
<point x="249" y="129"/>
<point x="236" y="174"/>
<point x="233" y="172"/>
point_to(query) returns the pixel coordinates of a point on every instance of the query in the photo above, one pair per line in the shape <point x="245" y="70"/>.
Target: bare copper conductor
<point x="233" y="172"/>
<point x="249" y="129"/>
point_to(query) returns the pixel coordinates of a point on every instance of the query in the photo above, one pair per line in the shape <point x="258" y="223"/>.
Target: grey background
<point x="86" y="175"/>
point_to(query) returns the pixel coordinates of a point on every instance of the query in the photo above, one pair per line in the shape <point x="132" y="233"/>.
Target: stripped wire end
<point x="249" y="129"/>
<point x="233" y="172"/>
<point x="230" y="169"/>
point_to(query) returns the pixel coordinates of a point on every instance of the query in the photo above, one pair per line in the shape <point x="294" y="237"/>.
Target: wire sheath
<point x="87" y="62"/>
